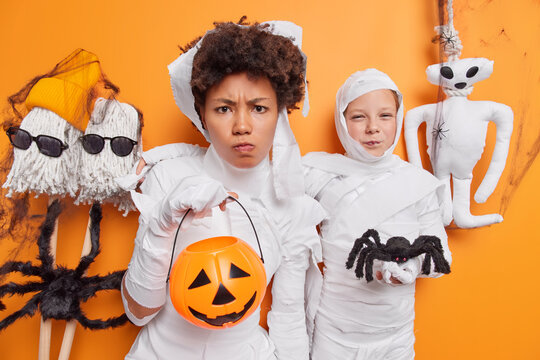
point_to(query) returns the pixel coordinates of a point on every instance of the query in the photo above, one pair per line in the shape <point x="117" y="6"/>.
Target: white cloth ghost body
<point x="359" y="191"/>
<point x="35" y="172"/>
<point x="97" y="172"/>
<point x="456" y="138"/>
<point x="285" y="220"/>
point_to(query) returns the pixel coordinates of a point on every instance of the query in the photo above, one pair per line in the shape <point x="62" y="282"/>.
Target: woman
<point x="236" y="85"/>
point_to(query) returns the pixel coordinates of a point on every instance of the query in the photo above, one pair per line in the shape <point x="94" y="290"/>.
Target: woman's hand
<point x="140" y="166"/>
<point x="223" y="205"/>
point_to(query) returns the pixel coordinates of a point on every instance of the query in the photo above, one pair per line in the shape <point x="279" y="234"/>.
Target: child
<point x="231" y="85"/>
<point x="369" y="188"/>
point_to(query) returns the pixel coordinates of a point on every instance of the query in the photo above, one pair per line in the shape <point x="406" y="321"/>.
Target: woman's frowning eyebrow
<point x="257" y="100"/>
<point x="224" y="100"/>
<point x="232" y="102"/>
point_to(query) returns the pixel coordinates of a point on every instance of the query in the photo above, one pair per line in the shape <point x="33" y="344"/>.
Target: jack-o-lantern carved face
<point x="218" y="282"/>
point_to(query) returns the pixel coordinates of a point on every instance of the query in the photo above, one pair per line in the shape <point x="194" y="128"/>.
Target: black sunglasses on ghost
<point x="120" y="145"/>
<point x="47" y="145"/>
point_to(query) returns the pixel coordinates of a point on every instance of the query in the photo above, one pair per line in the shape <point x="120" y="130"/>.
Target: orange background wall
<point x="487" y="308"/>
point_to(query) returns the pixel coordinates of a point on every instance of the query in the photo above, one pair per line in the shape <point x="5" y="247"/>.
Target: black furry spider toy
<point x="397" y="249"/>
<point x="61" y="291"/>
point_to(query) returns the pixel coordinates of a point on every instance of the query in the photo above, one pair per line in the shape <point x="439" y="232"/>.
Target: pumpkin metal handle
<point x="184" y="217"/>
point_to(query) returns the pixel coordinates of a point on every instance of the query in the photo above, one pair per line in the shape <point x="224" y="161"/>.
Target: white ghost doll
<point x="111" y="143"/>
<point x="46" y="146"/>
<point x="456" y="131"/>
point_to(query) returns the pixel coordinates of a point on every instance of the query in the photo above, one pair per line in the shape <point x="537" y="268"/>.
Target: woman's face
<point x="371" y="120"/>
<point x="240" y="115"/>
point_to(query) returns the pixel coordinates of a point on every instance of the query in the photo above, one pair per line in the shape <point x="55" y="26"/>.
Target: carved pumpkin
<point x="218" y="282"/>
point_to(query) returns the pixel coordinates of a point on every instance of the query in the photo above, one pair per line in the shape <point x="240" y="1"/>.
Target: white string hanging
<point x="448" y="36"/>
<point x="451" y="46"/>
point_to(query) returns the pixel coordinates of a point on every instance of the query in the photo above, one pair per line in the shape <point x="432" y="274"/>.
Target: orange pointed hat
<point x="67" y="92"/>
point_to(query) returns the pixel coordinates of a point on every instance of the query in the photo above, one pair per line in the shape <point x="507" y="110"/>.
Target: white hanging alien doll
<point x="456" y="131"/>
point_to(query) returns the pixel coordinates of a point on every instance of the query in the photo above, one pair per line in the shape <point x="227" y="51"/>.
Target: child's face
<point x="371" y="120"/>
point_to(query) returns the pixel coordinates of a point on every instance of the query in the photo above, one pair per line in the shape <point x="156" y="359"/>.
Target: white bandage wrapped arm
<point x="315" y="180"/>
<point x="152" y="157"/>
<point x="287" y="320"/>
<point x="171" y="151"/>
<point x="145" y="280"/>
<point x="413" y="119"/>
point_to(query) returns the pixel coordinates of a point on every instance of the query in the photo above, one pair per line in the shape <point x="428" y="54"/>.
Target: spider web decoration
<point x="61" y="291"/>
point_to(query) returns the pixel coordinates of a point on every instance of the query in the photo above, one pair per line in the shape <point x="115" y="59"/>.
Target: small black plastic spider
<point x="61" y="291"/>
<point x="448" y="40"/>
<point x="439" y="132"/>
<point x="397" y="249"/>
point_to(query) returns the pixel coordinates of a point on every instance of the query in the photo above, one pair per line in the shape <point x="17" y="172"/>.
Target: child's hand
<point x="409" y="270"/>
<point x="406" y="273"/>
<point x="384" y="272"/>
<point x="392" y="279"/>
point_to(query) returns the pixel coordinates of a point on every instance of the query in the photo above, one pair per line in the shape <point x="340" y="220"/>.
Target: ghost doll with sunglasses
<point x="41" y="161"/>
<point x="111" y="145"/>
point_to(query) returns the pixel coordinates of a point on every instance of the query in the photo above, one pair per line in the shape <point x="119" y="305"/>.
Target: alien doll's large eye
<point x="447" y="72"/>
<point x="472" y="71"/>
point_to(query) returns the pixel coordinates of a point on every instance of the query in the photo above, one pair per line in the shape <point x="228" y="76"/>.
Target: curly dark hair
<point x="253" y="49"/>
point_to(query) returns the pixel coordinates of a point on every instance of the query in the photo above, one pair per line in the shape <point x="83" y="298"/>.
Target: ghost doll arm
<point x="503" y="117"/>
<point x="414" y="118"/>
<point x="429" y="217"/>
<point x="287" y="319"/>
